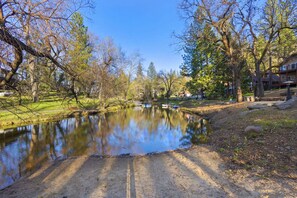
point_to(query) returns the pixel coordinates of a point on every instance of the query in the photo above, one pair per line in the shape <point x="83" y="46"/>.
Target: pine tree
<point x="79" y="52"/>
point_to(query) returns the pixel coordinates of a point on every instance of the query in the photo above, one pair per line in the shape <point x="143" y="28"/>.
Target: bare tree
<point x="169" y="80"/>
<point x="105" y="68"/>
<point x="27" y="23"/>
<point x="130" y="66"/>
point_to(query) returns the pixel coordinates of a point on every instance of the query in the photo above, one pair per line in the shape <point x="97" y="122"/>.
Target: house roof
<point x="289" y="58"/>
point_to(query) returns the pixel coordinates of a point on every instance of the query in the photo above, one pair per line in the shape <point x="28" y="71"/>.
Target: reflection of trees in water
<point x="62" y="131"/>
<point x="104" y="134"/>
<point x="196" y="132"/>
<point x="103" y="130"/>
<point x="174" y="120"/>
<point x="42" y="145"/>
<point x="33" y="146"/>
<point x="50" y="134"/>
<point x="12" y="154"/>
<point x="23" y="153"/>
<point x="152" y="118"/>
<point x="78" y="139"/>
<point x="122" y="130"/>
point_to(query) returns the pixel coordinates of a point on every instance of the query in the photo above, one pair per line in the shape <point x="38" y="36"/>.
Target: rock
<point x="244" y="113"/>
<point x="288" y="147"/>
<point x="257" y="106"/>
<point x="287" y="104"/>
<point x="256" y="129"/>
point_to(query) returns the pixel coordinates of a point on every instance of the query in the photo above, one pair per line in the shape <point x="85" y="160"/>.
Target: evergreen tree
<point x="79" y="51"/>
<point x="151" y="72"/>
<point x="205" y="64"/>
<point x="139" y="73"/>
<point x="152" y="80"/>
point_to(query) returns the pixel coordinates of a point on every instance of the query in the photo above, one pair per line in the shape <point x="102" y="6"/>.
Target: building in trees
<point x="288" y="70"/>
<point x="267" y="79"/>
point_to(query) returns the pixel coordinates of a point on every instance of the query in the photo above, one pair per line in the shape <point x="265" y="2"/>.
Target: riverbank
<point x="13" y="115"/>
<point x="269" y="152"/>
<point x="53" y="109"/>
<point x="232" y="164"/>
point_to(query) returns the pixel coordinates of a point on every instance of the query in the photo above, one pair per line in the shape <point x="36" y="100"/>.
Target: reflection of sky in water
<point x="126" y="132"/>
<point x="134" y="140"/>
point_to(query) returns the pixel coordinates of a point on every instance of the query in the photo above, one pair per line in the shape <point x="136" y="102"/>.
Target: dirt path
<point x="197" y="172"/>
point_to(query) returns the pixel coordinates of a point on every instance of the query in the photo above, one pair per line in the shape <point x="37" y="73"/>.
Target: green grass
<point x="280" y="123"/>
<point x="11" y="113"/>
<point x="49" y="108"/>
<point x="190" y="102"/>
<point x="249" y="94"/>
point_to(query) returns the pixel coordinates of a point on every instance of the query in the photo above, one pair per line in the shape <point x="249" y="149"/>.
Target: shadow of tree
<point x="180" y="173"/>
<point x="228" y="187"/>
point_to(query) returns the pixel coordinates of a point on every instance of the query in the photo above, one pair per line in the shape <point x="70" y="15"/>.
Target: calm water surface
<point x="133" y="131"/>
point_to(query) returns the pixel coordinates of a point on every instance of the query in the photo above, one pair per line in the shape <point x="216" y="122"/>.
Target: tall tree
<point x="205" y="63"/>
<point x="131" y="67"/>
<point x="139" y="73"/>
<point x="218" y="15"/>
<point x="151" y="71"/>
<point x="169" y="79"/>
<point x="105" y="69"/>
<point x="79" y="50"/>
<point x="152" y="77"/>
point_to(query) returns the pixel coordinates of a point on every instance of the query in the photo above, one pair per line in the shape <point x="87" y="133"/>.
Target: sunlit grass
<point x="279" y="123"/>
<point x="46" y="109"/>
<point x="50" y="107"/>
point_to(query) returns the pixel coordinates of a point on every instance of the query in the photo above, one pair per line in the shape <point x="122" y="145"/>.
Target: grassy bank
<point x="202" y="107"/>
<point x="269" y="152"/>
<point x="51" y="109"/>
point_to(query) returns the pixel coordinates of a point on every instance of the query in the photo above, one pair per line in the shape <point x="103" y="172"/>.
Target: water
<point x="133" y="131"/>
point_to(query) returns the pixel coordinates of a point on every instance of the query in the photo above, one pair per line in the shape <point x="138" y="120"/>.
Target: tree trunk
<point x="270" y="73"/>
<point x="239" y="96"/>
<point x="31" y="65"/>
<point x="33" y="78"/>
<point x="237" y="81"/>
<point x="227" y="91"/>
<point x="100" y="91"/>
<point x="233" y="83"/>
<point x="72" y="89"/>
<point x="259" y="85"/>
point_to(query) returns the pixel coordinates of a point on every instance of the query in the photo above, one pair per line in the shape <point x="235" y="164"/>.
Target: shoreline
<point x="62" y="114"/>
<point x="198" y="168"/>
<point x="204" y="111"/>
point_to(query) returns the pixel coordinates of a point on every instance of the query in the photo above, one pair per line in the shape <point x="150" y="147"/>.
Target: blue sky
<point x="144" y="26"/>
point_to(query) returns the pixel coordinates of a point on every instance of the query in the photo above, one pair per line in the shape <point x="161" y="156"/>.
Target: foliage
<point x="206" y="64"/>
<point x="235" y="37"/>
<point x="79" y="51"/>
<point x="169" y="81"/>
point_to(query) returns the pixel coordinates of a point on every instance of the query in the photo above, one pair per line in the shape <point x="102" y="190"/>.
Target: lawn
<point x="48" y="108"/>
